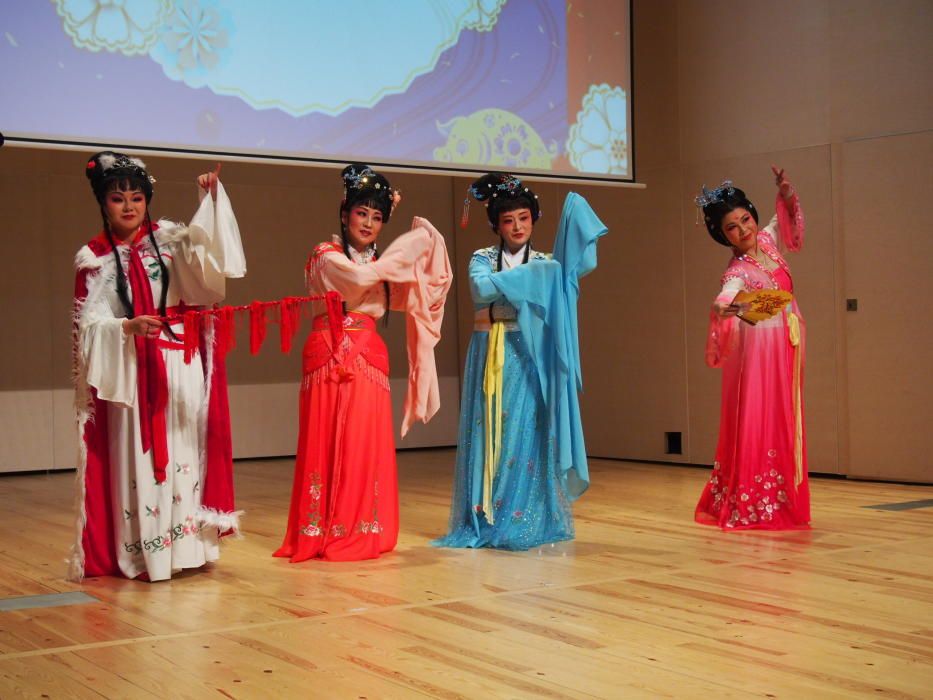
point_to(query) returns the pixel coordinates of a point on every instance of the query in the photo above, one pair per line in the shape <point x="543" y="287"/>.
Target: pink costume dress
<point x="344" y="504"/>
<point x="759" y="478"/>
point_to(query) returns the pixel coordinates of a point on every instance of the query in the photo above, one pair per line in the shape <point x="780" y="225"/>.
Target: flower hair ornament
<point x="497" y="191"/>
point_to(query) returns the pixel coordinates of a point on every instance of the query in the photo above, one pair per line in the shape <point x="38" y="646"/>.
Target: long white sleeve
<point x="107" y="354"/>
<point x="207" y="252"/>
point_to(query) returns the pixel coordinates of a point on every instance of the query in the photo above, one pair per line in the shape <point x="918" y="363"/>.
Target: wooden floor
<point x="643" y="604"/>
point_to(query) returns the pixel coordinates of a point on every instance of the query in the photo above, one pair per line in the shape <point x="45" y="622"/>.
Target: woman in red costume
<point x="154" y="477"/>
<point x="344" y="504"/>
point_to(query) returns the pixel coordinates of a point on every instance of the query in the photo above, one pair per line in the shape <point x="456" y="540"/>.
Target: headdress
<point x="500" y="192"/>
<point x="107" y="166"/>
<point x="363" y="184"/>
<point x="718" y="202"/>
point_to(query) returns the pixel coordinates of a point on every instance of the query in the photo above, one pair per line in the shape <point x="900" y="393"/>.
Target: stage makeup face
<point x="363" y="226"/>
<point x="125" y="210"/>
<point x="741" y="230"/>
<point x="515" y="227"/>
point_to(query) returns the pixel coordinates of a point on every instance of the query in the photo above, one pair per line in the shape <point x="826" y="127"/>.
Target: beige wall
<point x="836" y="91"/>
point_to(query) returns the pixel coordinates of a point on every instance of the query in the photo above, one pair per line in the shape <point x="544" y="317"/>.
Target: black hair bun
<point x="503" y="192"/>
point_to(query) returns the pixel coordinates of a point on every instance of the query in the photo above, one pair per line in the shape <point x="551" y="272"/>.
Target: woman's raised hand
<point x="208" y="181"/>
<point x="784" y="187"/>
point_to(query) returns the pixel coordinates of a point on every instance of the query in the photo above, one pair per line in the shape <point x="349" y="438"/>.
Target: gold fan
<point x="762" y="304"/>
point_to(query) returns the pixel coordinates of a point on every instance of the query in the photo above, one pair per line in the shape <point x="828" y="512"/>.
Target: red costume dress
<point x="344" y="504"/>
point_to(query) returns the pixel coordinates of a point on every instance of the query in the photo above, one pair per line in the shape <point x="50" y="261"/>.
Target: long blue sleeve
<point x="546" y="294"/>
<point x="575" y="248"/>
<point x="482" y="289"/>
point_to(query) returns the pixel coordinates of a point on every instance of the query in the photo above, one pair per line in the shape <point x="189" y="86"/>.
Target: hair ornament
<point x="707" y="197"/>
<point x="499" y="192"/>
<point x="357" y="176"/>
<point x="363" y="184"/>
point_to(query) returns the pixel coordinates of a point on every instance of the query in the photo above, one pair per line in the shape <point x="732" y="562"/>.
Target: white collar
<point x="511" y="260"/>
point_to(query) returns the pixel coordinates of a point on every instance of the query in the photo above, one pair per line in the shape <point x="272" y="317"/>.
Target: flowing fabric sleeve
<point x="396" y="265"/>
<point x="105" y="356"/>
<point x="787" y="225"/>
<point x="723" y="335"/>
<point x="575" y="249"/>
<point x="208" y="251"/>
<point x="420" y="277"/>
<point x="537" y="291"/>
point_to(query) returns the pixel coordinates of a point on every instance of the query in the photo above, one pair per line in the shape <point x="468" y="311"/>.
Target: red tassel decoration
<point x="465" y="215"/>
<point x="257" y="326"/>
<point x="192" y="325"/>
<point x="289" y="310"/>
<point x="335" y="317"/>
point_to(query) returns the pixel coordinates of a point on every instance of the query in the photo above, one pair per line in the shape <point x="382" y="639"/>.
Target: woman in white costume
<point x="154" y="480"/>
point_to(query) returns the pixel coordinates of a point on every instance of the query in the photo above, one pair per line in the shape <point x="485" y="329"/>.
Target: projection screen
<point x="540" y="87"/>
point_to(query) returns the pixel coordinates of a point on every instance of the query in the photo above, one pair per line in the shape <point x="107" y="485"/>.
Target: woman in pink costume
<point x="759" y="478"/>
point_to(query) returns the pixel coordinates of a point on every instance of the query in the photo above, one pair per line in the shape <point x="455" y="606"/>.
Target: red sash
<point x="151" y="379"/>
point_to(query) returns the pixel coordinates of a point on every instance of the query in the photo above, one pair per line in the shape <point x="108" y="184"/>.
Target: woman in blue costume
<point x="521" y="461"/>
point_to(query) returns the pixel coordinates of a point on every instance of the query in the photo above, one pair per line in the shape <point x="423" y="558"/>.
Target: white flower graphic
<point x="598" y="142"/>
<point x="193" y="40"/>
<point x="126" y="26"/>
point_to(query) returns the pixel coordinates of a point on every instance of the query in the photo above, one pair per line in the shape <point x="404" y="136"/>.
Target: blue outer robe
<point x="542" y="467"/>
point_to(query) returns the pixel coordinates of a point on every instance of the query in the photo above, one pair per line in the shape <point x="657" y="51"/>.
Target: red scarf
<point x="151" y="378"/>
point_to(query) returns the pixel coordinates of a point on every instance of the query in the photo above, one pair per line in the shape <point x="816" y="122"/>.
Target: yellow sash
<point x="492" y="387"/>
<point x="793" y="326"/>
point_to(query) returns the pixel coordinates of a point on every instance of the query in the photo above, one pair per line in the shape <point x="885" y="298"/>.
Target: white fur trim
<point x="86" y="260"/>
<point x="84" y="412"/>
<point x="223" y="521"/>
<point x="76" y="560"/>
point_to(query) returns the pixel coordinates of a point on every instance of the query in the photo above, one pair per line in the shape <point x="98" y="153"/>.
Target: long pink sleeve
<point x="420" y="291"/>
<point x="341" y="274"/>
<point x="790" y="222"/>
<point x="721" y="338"/>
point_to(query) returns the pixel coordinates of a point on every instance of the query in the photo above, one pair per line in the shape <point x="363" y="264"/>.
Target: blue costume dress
<point x="521" y="460"/>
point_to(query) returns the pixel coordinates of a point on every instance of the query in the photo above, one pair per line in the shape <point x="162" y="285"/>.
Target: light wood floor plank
<point x="644" y="603"/>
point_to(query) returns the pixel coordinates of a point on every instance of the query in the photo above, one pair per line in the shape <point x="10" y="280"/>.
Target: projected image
<point x="527" y="85"/>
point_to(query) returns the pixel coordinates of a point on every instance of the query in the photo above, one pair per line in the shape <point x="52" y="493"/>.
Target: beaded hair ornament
<point x="707" y="197"/>
<point x="117" y="161"/>
<point x="357" y="178"/>
<point x="496" y="187"/>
